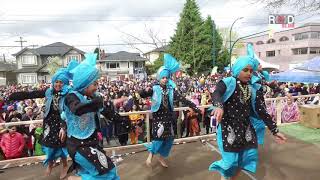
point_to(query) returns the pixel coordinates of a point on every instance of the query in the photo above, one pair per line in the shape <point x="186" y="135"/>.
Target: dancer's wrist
<point x="275" y="131"/>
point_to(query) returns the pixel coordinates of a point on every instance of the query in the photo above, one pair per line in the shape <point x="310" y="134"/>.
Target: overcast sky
<point x="79" y="22"/>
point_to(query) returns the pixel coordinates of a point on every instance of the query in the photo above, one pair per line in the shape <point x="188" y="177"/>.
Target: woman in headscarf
<point x="290" y="111"/>
<point x="82" y="109"/>
<point x="163" y="95"/>
<point x="54" y="135"/>
<point x="234" y="99"/>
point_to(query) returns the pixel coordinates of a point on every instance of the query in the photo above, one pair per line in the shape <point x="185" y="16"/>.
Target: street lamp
<point x="230" y="50"/>
<point x="243" y="37"/>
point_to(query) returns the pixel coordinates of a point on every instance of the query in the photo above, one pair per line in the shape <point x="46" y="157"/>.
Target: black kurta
<point x="52" y="123"/>
<point x="84" y="146"/>
<point x="165" y="116"/>
<point x="237" y="131"/>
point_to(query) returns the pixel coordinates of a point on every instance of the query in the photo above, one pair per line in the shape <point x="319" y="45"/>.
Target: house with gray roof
<point x="122" y="64"/>
<point x="32" y="63"/>
<point x="7" y="74"/>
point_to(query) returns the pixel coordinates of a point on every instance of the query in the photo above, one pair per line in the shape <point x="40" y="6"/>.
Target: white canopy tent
<point x="266" y="64"/>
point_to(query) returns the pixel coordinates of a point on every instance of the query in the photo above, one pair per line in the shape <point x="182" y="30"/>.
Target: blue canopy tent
<point x="308" y="72"/>
<point x="296" y="75"/>
<point x="311" y="65"/>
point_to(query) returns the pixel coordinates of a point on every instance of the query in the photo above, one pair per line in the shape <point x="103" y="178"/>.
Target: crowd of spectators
<point x="23" y="140"/>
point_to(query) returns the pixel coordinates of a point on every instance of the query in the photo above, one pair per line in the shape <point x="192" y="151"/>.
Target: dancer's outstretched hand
<point x="280" y="138"/>
<point x="62" y="135"/>
<point x="217" y="114"/>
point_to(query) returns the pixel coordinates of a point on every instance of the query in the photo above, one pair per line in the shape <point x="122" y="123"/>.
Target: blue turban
<point x="170" y="66"/>
<point x="240" y="64"/>
<point x="63" y="74"/>
<point x="252" y="54"/>
<point x="85" y="73"/>
<point x="162" y="72"/>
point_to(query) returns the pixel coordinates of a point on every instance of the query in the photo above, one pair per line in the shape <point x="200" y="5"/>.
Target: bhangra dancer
<point x="54" y="135"/>
<point x="163" y="95"/>
<point x="82" y="109"/>
<point x="235" y="99"/>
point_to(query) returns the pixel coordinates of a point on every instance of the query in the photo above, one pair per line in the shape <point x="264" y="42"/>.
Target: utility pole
<point x="214" y="44"/>
<point x="194" y="61"/>
<point x="99" y="47"/>
<point x="21" y="42"/>
<point x="4" y="58"/>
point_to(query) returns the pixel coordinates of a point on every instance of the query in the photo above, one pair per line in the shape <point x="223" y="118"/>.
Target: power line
<point x="90" y="45"/>
<point x="95" y="45"/>
<point x="13" y="21"/>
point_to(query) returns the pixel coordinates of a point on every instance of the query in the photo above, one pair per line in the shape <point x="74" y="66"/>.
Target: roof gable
<point x="123" y="55"/>
<point x="57" y="48"/>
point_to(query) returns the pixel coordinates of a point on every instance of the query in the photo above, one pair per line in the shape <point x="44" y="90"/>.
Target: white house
<point x="154" y="54"/>
<point x="120" y="65"/>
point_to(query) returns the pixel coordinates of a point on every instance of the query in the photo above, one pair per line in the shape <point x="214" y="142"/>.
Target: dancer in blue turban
<point x="163" y="95"/>
<point x="234" y="100"/>
<point x="54" y="134"/>
<point x="82" y="109"/>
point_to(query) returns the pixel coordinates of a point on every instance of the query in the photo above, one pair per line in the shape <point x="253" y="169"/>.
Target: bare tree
<point x="152" y="39"/>
<point x="302" y="6"/>
<point x="54" y="63"/>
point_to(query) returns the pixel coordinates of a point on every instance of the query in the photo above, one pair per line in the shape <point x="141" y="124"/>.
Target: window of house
<point x="270" y="53"/>
<point x="128" y="65"/>
<point x="259" y="42"/>
<point x="314" y="50"/>
<point x="279" y="52"/>
<point x="300" y="51"/>
<point x="112" y="65"/>
<point x="73" y="57"/>
<point x="284" y="38"/>
<point x="315" y="35"/>
<point x="301" y="36"/>
<point x="271" y="41"/>
<point x="28" y="79"/>
<point x="259" y="54"/>
<point x="138" y="65"/>
<point x="29" y="60"/>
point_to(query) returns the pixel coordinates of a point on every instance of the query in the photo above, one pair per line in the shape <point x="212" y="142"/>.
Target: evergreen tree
<point x="210" y="43"/>
<point x="223" y="60"/>
<point x="195" y="42"/>
<point x="184" y="43"/>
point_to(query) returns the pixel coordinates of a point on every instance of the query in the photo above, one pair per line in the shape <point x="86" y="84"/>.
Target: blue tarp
<point x="297" y="76"/>
<point x="309" y="72"/>
<point x="311" y="65"/>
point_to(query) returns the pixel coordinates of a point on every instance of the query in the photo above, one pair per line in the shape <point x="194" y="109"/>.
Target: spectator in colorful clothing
<point x="194" y="128"/>
<point x="290" y="111"/>
<point x="12" y="143"/>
